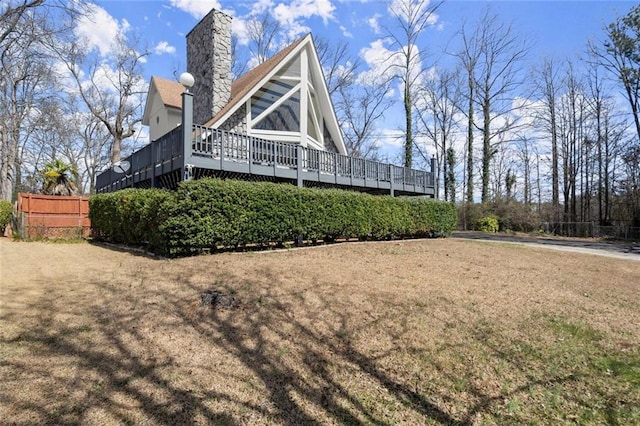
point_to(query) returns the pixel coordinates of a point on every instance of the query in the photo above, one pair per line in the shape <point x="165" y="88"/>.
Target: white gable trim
<point x="151" y="94"/>
<point x="318" y="83"/>
<point x="327" y="108"/>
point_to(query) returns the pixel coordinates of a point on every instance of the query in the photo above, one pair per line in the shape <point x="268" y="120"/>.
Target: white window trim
<point x="275" y="105"/>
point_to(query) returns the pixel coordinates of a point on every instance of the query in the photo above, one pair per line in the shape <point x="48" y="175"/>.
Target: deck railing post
<point x="222" y="136"/>
<point x="250" y="152"/>
<point x="187" y="127"/>
<point x="351" y="170"/>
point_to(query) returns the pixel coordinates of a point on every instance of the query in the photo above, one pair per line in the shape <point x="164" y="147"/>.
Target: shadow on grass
<point x="299" y="357"/>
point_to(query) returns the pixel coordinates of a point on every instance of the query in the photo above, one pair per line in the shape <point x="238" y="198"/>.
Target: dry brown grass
<point x="412" y="332"/>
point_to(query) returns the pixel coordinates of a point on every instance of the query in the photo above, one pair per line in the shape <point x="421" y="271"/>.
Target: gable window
<point x="267" y="96"/>
<point x="286" y="117"/>
<point x="292" y="105"/>
<point x="329" y="144"/>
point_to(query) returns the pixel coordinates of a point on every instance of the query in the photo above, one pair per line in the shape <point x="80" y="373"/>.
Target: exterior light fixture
<point x="187" y="80"/>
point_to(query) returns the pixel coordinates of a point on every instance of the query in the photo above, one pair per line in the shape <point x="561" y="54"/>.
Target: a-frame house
<point x="276" y="122"/>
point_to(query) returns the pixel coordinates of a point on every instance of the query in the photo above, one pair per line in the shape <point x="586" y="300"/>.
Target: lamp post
<point x="187" y="81"/>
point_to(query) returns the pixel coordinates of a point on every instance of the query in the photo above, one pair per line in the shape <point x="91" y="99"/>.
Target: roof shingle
<point x="170" y="91"/>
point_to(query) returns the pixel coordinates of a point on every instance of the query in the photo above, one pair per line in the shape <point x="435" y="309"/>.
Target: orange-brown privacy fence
<point x="51" y="216"/>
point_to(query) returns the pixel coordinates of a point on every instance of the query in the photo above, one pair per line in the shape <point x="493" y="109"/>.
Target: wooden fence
<point x="50" y="216"/>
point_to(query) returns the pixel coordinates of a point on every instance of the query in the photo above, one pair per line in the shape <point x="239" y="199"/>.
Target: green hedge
<point x="6" y="212"/>
<point x="211" y="213"/>
<point x="130" y="216"/>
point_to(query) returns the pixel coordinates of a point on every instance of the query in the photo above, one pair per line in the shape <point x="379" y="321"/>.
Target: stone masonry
<point x="209" y="61"/>
<point x="237" y="122"/>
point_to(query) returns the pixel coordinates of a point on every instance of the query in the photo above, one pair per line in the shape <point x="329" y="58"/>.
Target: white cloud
<point x="239" y="29"/>
<point x="288" y="14"/>
<point x="345" y="32"/>
<point x="392" y="138"/>
<point x="260" y="7"/>
<point x="164" y="47"/>
<point x="381" y="62"/>
<point x="196" y="8"/>
<point x="99" y="30"/>
<point x="374" y="24"/>
<point x="295" y="30"/>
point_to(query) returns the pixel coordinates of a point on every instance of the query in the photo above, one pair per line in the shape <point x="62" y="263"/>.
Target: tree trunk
<point x="408" y="143"/>
<point x="470" y="142"/>
<point x="486" y="150"/>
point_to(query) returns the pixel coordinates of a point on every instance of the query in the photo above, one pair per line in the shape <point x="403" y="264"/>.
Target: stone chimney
<point x="209" y="61"/>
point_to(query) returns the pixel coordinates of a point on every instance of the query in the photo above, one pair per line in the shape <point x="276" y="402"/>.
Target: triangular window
<point x="286" y="117"/>
<point x="267" y="96"/>
<point x="329" y="144"/>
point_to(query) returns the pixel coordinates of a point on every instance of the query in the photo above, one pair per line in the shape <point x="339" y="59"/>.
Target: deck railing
<point x="228" y="146"/>
<point x="222" y="147"/>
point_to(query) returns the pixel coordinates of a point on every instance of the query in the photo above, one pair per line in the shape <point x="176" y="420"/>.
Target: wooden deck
<point x="167" y="161"/>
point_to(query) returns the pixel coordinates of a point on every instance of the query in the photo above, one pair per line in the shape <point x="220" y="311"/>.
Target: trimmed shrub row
<point x="129" y="216"/>
<point x="211" y="213"/>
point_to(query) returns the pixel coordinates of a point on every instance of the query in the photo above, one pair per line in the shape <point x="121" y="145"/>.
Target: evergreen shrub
<point x="208" y="214"/>
<point x="488" y="224"/>
<point x="6" y="212"/>
<point x="129" y="216"/>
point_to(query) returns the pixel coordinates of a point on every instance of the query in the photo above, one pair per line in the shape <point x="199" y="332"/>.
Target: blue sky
<point x="560" y="28"/>
<point x="554" y="28"/>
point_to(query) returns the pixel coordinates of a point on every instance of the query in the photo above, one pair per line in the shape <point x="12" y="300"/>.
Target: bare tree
<point x="620" y="55"/>
<point x="548" y="77"/>
<point x="451" y="175"/>
<point x="12" y="15"/>
<point x="498" y="74"/>
<point x="238" y="66"/>
<point x="524" y="145"/>
<point x="469" y="56"/>
<point x="263" y="31"/>
<point x="112" y="92"/>
<point x="338" y="65"/>
<point x="95" y="153"/>
<point x="571" y="133"/>
<point x="631" y="183"/>
<point x="411" y="17"/>
<point x="360" y="106"/>
<point x="25" y="77"/>
<point x="438" y="102"/>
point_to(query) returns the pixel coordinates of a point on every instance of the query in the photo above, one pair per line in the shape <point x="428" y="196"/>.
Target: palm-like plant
<point x="60" y="178"/>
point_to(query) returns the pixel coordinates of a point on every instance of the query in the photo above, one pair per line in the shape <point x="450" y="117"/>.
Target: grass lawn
<point x="405" y="332"/>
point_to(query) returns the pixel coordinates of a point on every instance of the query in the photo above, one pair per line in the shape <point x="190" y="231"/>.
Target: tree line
<point x="66" y="108"/>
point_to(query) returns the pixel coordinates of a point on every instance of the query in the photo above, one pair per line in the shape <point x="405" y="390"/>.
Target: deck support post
<point x="391" y="178"/>
<point x="153" y="164"/>
<point x="299" y="154"/>
<point x="433" y="176"/>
